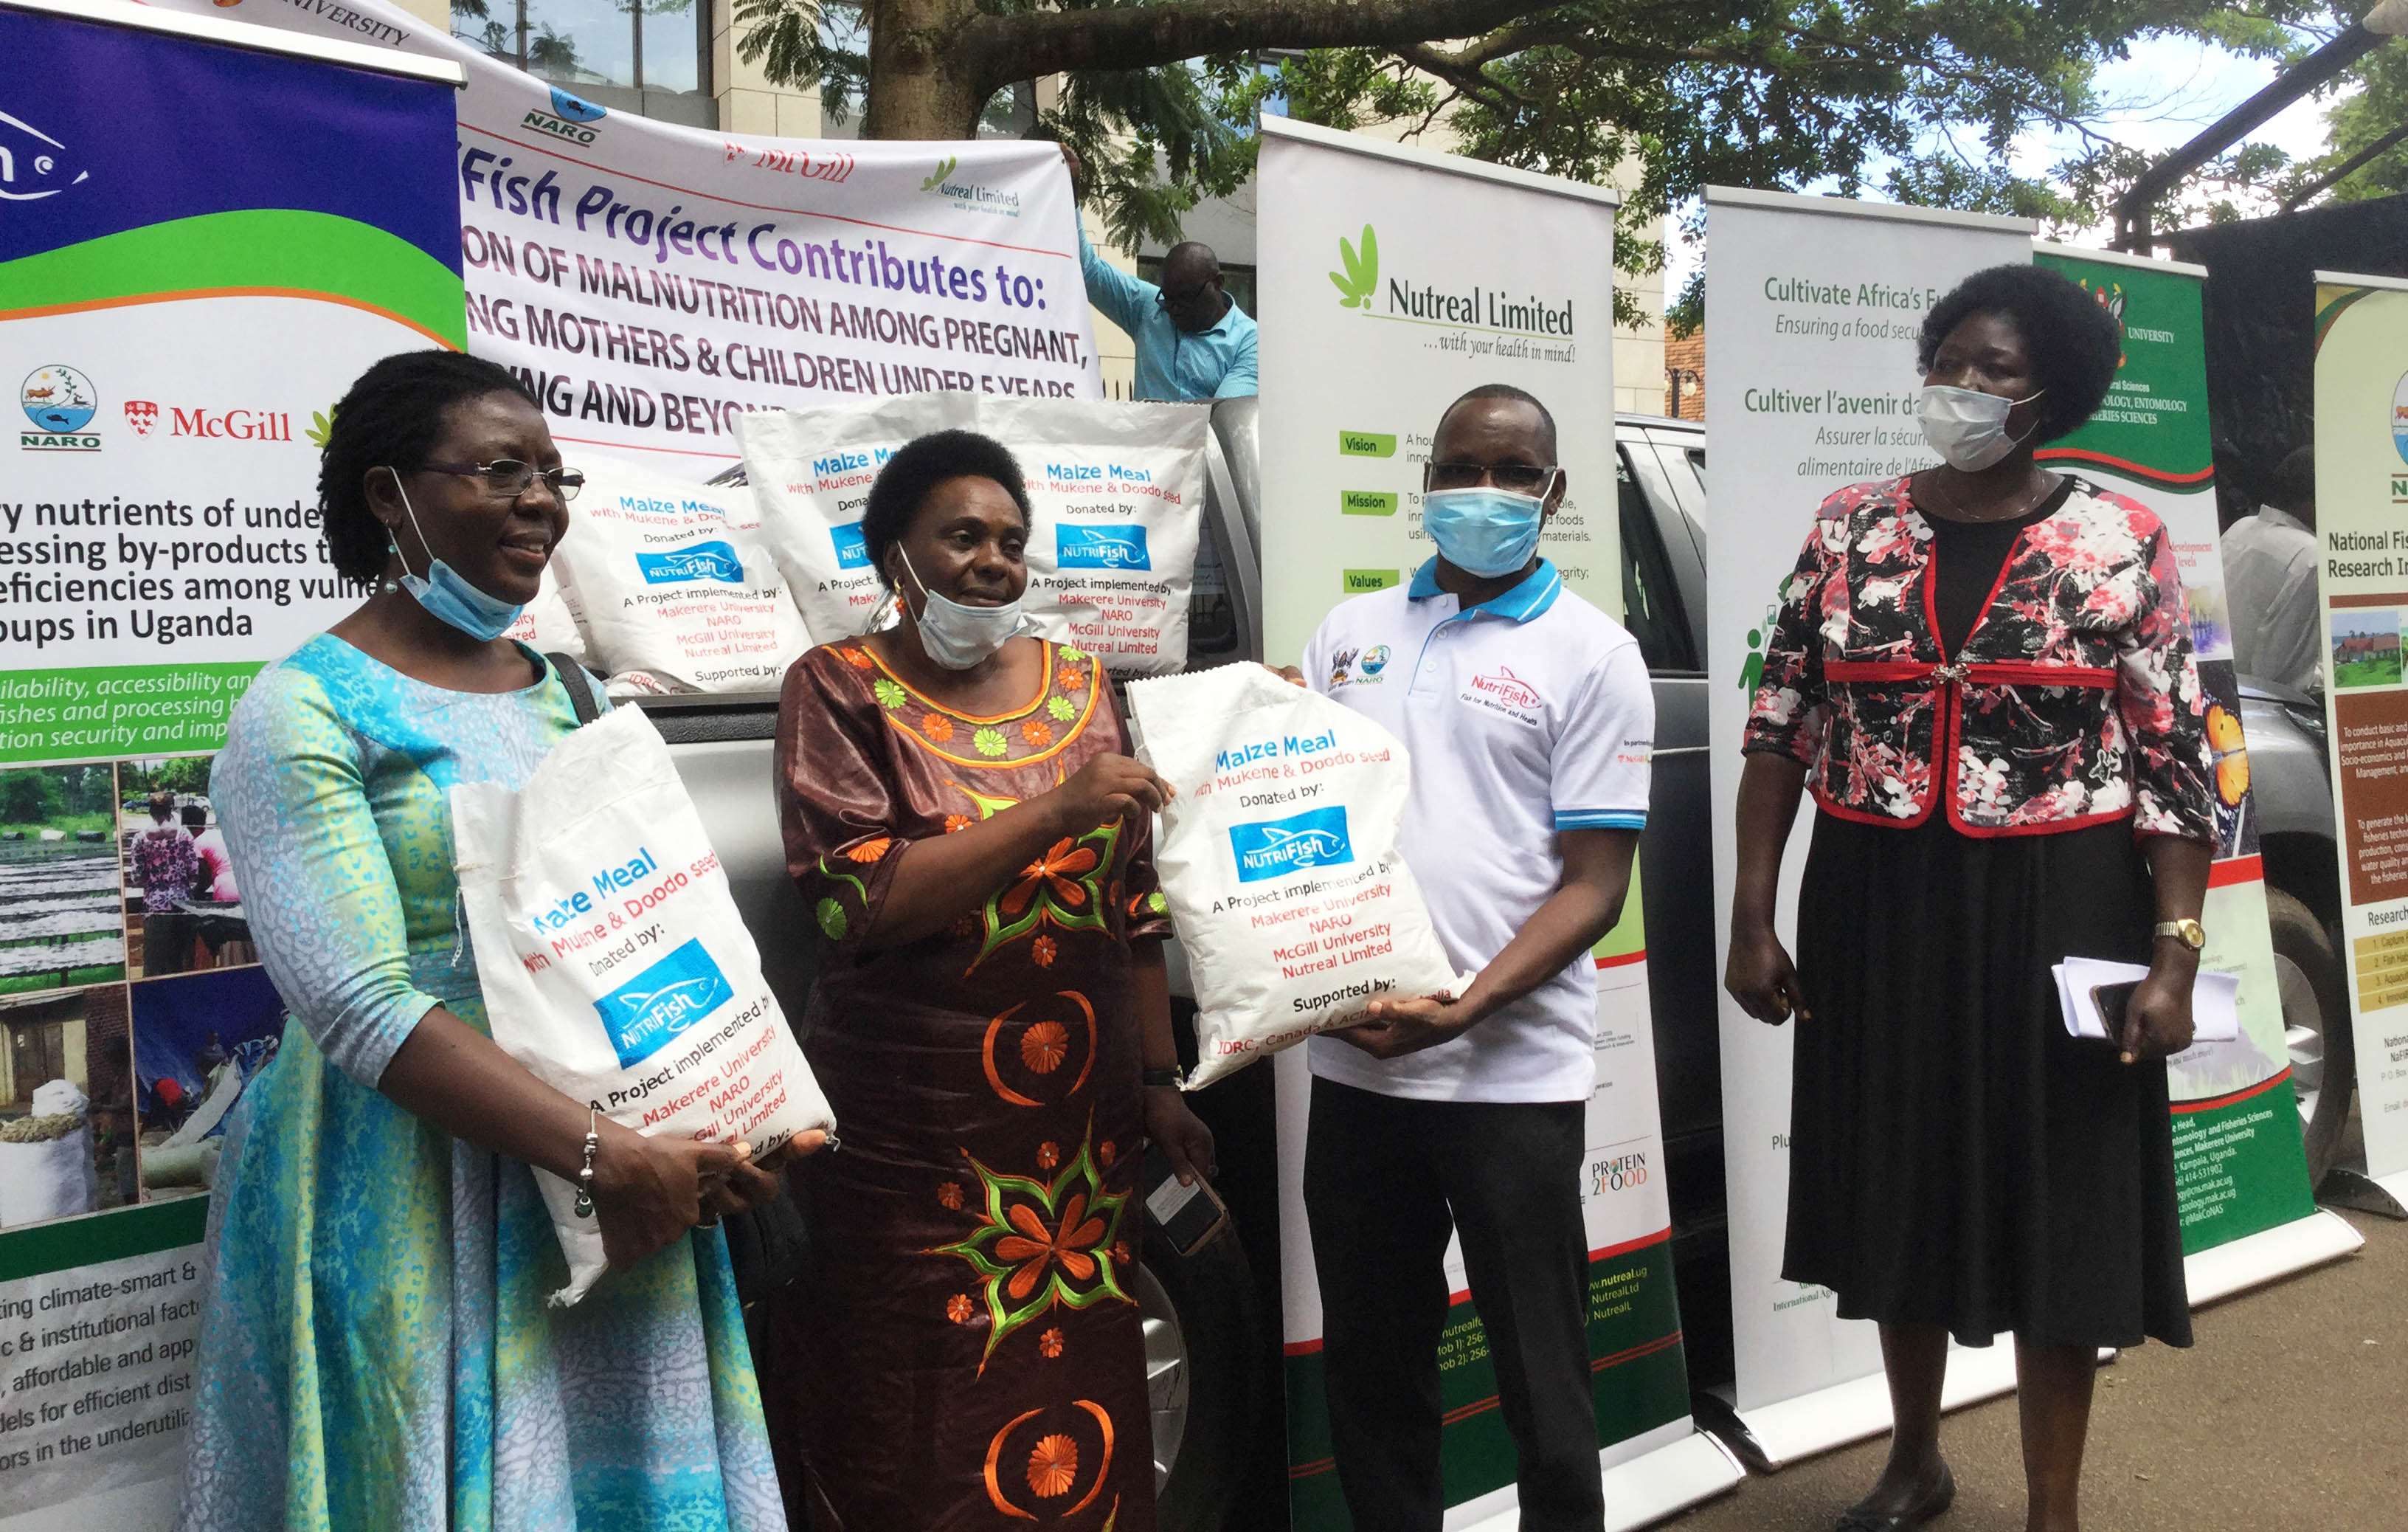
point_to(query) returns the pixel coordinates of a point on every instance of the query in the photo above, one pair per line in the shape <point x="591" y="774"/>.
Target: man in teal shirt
<point x="1193" y="342"/>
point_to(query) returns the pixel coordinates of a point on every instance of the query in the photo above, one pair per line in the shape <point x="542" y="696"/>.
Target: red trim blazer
<point x="2075" y="699"/>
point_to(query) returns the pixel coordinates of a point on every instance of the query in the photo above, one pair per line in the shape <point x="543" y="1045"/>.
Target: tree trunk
<point x="923" y="84"/>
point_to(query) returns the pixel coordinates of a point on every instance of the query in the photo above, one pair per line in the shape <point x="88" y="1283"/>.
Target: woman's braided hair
<point x="390" y="419"/>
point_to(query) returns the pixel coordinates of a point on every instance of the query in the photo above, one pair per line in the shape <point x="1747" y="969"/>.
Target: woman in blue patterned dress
<point x="376" y="1352"/>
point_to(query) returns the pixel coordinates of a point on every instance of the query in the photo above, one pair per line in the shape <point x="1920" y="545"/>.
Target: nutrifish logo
<point x="703" y="561"/>
<point x="1276" y="847"/>
<point x="658" y="1004"/>
<point x="1120" y="548"/>
<point x="33" y="165"/>
<point x="852" y="547"/>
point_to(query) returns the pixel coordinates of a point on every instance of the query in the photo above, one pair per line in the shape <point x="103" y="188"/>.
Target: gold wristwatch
<point x="2190" y="932"/>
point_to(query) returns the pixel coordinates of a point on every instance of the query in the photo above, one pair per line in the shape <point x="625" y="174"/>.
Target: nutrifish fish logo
<point x="33" y="165"/>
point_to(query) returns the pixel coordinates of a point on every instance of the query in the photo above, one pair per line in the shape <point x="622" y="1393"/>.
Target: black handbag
<point x="767" y="1246"/>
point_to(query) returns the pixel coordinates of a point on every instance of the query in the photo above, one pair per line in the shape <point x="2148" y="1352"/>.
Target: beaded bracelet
<point x="585" y="1176"/>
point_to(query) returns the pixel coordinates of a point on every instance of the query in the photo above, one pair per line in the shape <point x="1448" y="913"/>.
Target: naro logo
<point x="1507" y="687"/>
<point x="1617" y="1173"/>
<point x="1116" y="547"/>
<point x="2399" y="417"/>
<point x="141" y="414"/>
<point x="1375" y="660"/>
<point x="658" y="1004"/>
<point x="61" y="402"/>
<point x="567" y="118"/>
<point x="29" y="171"/>
<point x="1275" y="847"/>
<point x="703" y="561"/>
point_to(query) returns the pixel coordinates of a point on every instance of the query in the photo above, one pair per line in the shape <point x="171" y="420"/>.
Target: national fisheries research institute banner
<point x="649" y="280"/>
<point x="207" y="237"/>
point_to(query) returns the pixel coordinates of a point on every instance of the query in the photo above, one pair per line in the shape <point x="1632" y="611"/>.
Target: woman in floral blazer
<point x="1984" y="673"/>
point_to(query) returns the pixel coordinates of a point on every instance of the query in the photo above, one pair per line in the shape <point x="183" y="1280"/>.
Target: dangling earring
<point x="391" y="546"/>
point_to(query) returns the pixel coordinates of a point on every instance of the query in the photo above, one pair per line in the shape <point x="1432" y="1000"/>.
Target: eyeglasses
<point x="1188" y="299"/>
<point x="506" y="478"/>
<point x="1519" y="478"/>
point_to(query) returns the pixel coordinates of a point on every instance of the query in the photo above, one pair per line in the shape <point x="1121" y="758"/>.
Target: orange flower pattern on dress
<point x="871" y="850"/>
<point x="1037" y="731"/>
<point x="1053" y="1466"/>
<point x="950" y="1195"/>
<point x="1038" y="1244"/>
<point x="858" y="658"/>
<point x="1072" y="679"/>
<point x="1042" y="951"/>
<point x="954" y="822"/>
<point x="1048" y="1154"/>
<point x="1044" y="1046"/>
<point x="1057" y="872"/>
<point x="1049" y="1345"/>
<point x="1104" y="1152"/>
<point x="958" y="1309"/>
<point x="936" y="726"/>
<point x="1121" y="1252"/>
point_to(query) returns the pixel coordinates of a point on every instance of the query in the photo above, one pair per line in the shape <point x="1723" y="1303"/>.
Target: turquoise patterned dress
<point x="376" y="1352"/>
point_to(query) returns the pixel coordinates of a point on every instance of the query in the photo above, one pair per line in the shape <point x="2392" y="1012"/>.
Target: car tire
<point x="1203" y="1335"/>
<point x="2315" y="989"/>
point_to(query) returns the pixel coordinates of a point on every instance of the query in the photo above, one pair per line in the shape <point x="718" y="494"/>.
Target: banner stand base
<point x="2215" y="1274"/>
<point x="1644" y="1490"/>
<point x="2350" y="1186"/>
<point x="1777" y="1434"/>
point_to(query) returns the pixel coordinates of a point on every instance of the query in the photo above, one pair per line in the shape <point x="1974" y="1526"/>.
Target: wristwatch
<point x="1155" y="1078"/>
<point x="2188" y="932"/>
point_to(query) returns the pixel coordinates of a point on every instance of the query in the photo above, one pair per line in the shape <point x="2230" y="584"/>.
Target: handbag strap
<point x="580" y="689"/>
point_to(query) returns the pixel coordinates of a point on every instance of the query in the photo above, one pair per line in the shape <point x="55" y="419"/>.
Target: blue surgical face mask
<point x="955" y="636"/>
<point x="445" y="593"/>
<point x="1483" y="530"/>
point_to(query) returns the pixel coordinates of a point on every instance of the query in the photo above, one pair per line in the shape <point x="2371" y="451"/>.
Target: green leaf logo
<point x="950" y="163"/>
<point x="320" y="428"/>
<point x="1361" y="275"/>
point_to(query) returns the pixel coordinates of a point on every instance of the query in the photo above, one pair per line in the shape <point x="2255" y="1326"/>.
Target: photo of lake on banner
<point x="61" y="919"/>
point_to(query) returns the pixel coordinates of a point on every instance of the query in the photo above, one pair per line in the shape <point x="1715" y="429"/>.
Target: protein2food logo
<point x="1114" y="547"/>
<point x="1276" y="847"/>
<point x="61" y="402"/>
<point x="567" y="118"/>
<point x="29" y="169"/>
<point x="703" y="561"/>
<point x="658" y="1004"/>
<point x="1362" y="276"/>
<point x="1609" y="1173"/>
<point x="852" y="547"/>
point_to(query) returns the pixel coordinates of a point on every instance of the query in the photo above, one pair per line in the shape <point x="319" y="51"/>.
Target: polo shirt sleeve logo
<point x="1340" y="663"/>
<point x="1502" y="691"/>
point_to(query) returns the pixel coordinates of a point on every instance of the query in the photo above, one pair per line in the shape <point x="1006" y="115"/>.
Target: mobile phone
<point x="1190" y="1217"/>
<point x="2112" y="999"/>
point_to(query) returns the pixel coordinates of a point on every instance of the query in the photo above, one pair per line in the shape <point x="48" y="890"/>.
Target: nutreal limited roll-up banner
<point x="2361" y="339"/>
<point x="1403" y="278"/>
<point x="1811" y="385"/>
<point x="649" y="280"/>
<point x="2240" y="1176"/>
<point x="211" y="230"/>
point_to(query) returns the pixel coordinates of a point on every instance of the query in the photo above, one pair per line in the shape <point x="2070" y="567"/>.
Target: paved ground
<point x="2291" y="1413"/>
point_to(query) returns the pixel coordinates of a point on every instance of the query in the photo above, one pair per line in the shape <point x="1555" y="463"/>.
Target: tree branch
<point x="1003" y="48"/>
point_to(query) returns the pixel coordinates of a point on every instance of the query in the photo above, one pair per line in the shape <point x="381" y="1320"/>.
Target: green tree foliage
<point x="182" y="774"/>
<point x="32" y="795"/>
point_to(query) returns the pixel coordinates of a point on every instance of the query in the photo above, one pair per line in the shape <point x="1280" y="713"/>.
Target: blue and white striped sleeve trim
<point x="1602" y="819"/>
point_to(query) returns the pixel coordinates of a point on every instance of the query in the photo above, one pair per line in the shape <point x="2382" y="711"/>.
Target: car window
<point x="1651" y="597"/>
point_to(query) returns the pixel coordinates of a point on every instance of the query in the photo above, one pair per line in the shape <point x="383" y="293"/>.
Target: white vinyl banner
<point x="649" y="280"/>
<point x="1810" y="387"/>
<point x="1396" y="296"/>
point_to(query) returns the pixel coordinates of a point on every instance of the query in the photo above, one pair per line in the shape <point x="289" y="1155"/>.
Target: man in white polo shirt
<point x="1529" y="718"/>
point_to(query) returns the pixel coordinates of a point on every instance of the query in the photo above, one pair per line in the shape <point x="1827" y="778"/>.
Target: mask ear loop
<point x="393" y="541"/>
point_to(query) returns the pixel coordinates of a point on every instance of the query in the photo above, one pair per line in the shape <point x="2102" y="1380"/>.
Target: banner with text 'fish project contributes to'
<point x="649" y="281"/>
<point x="2361" y="447"/>
<point x="1396" y="295"/>
<point x="189" y="278"/>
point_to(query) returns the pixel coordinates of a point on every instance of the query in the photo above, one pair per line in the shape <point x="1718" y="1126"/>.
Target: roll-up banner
<point x="1396" y="297"/>
<point x="1811" y="385"/>
<point x="647" y="280"/>
<point x="2361" y="404"/>
<point x="178" y="188"/>
<point x="2240" y="1176"/>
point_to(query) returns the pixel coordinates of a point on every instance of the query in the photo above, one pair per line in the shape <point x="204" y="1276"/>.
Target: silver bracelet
<point x="585" y="1176"/>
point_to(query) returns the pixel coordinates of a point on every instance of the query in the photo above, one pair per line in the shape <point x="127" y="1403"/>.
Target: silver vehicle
<point x="1210" y="1321"/>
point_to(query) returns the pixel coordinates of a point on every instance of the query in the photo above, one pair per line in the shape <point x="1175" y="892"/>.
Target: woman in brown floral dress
<point x="973" y="839"/>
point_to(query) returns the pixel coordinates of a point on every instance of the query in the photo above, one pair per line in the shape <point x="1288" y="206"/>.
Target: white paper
<point x="2214" y="999"/>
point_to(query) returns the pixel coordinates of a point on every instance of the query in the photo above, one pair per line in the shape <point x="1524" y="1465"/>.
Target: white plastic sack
<point x="1117" y="489"/>
<point x="1279" y="858"/>
<point x="614" y="965"/>
<point x="673" y="583"/>
<point x="51" y="1176"/>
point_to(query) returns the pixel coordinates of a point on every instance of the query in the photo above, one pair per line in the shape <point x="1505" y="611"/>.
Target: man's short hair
<point x="1506" y="391"/>
<point x="1191" y="255"/>
<point x="2293" y="484"/>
